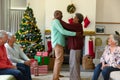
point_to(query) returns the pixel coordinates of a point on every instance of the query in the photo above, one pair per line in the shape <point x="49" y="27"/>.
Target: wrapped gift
<point x="33" y="67"/>
<point x="43" y="69"/>
<point x="42" y="58"/>
<point x="45" y="60"/>
<point x="36" y="72"/>
<point x="39" y="59"/>
<point x="38" y="69"/>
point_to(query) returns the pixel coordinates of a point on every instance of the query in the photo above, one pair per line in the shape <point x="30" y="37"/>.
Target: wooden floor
<point x="85" y="74"/>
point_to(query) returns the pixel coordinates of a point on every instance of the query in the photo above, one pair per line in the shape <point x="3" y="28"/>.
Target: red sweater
<point x="4" y="61"/>
<point x="75" y="42"/>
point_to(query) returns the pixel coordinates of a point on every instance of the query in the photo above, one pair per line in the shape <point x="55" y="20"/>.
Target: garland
<point x="71" y="8"/>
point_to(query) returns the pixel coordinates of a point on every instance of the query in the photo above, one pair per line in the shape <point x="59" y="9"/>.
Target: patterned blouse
<point x="111" y="58"/>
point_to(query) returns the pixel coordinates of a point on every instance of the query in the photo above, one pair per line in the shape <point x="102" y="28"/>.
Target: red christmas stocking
<point x="91" y="52"/>
<point x="70" y="20"/>
<point x="49" y="47"/>
<point x="86" y="22"/>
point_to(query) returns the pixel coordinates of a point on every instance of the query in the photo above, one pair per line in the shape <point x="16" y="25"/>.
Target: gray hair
<point x="80" y="17"/>
<point x="117" y="39"/>
<point x="2" y="33"/>
<point x="9" y="35"/>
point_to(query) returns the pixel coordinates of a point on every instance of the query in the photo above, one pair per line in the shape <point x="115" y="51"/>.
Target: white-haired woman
<point x="17" y="56"/>
<point x="110" y="60"/>
<point x="6" y="67"/>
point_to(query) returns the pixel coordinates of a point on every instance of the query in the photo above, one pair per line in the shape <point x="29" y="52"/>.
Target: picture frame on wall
<point x="100" y="29"/>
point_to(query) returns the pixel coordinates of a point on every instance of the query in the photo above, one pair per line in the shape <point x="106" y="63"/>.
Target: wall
<point x="18" y="3"/>
<point x="38" y="7"/>
<point x="44" y="9"/>
<point x="86" y="7"/>
<point x="108" y="11"/>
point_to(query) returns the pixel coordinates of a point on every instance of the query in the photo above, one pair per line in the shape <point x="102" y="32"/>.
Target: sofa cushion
<point x="96" y="61"/>
<point x="115" y="75"/>
<point x="7" y="77"/>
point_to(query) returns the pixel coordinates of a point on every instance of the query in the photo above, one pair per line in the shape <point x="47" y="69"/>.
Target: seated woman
<point x="6" y="67"/>
<point x="110" y="60"/>
<point x="17" y="56"/>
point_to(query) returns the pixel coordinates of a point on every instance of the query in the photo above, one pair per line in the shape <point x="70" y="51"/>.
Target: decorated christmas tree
<point x="29" y="36"/>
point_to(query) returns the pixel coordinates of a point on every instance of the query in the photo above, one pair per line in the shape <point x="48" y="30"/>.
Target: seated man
<point x="6" y="66"/>
<point x="17" y="56"/>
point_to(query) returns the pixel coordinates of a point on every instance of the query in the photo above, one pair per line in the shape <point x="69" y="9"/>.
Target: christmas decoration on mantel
<point x="29" y="36"/>
<point x="89" y="33"/>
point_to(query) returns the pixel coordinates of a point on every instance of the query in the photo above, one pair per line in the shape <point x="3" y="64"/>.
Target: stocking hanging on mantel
<point x="49" y="45"/>
<point x="86" y="22"/>
<point x="90" y="48"/>
<point x="88" y="43"/>
<point x="70" y="20"/>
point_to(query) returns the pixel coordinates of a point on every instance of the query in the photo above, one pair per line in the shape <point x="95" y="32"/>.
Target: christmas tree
<point x="29" y="36"/>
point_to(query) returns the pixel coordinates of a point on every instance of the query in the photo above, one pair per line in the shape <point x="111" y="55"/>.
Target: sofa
<point x="7" y="77"/>
<point x="115" y="75"/>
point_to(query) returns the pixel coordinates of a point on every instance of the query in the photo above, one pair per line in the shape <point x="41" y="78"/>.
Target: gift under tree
<point x="29" y="35"/>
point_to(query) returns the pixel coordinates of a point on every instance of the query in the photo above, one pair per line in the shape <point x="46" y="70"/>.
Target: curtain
<point x="15" y="19"/>
<point x="9" y="18"/>
<point x="0" y="14"/>
<point x="4" y="14"/>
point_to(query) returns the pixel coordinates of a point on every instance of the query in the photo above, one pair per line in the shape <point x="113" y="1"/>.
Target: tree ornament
<point x="31" y="51"/>
<point x="71" y="8"/>
<point x="23" y="45"/>
<point x="23" y="35"/>
<point x="22" y="28"/>
<point x="29" y="39"/>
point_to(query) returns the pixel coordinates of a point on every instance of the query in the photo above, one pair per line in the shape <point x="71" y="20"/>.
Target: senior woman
<point x="6" y="67"/>
<point x="110" y="60"/>
<point x="17" y="56"/>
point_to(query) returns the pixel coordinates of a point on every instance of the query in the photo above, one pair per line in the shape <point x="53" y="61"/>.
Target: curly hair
<point x="57" y="14"/>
